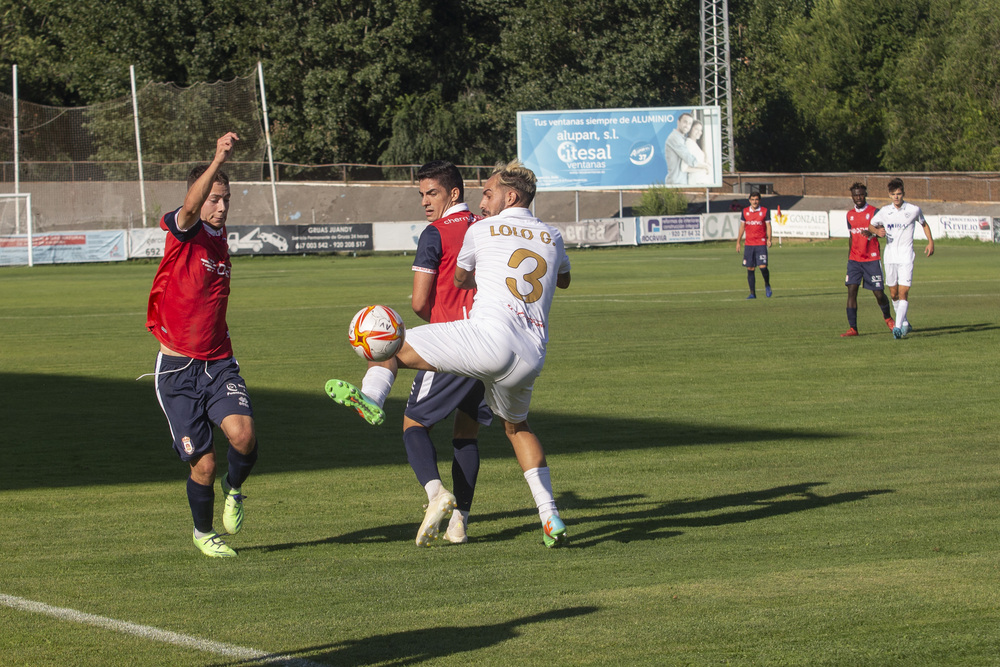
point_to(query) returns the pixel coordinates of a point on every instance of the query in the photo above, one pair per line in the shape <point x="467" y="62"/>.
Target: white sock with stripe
<point x="540" y="483"/>
<point x="377" y="384"/>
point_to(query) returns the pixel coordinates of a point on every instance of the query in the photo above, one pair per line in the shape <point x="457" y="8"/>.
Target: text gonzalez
<point x="526" y="234"/>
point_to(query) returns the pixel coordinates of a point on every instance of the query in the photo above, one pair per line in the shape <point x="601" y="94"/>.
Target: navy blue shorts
<point x="868" y="274"/>
<point x="754" y="255"/>
<point x="196" y="394"/>
<point x="434" y="396"/>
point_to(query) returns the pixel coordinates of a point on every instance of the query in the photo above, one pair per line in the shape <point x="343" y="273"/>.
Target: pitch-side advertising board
<point x="622" y="149"/>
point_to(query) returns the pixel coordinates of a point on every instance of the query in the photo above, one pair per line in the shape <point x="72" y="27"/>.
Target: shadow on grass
<point x="955" y="329"/>
<point x="411" y="647"/>
<point x="62" y="431"/>
<point x="621" y="518"/>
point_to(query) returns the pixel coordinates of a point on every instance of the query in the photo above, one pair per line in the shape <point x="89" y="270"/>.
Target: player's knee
<point x="511" y="429"/>
<point x="203" y="468"/>
<point x="242" y="436"/>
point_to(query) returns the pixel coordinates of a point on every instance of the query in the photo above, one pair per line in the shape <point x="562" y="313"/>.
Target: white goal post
<point x="16" y="229"/>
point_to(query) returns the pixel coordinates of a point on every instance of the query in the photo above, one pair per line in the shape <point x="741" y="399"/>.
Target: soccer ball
<point x="376" y="333"/>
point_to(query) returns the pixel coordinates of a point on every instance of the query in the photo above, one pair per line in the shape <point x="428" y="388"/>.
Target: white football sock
<point x="377" y="384"/>
<point x="901" y="312"/>
<point x="540" y="483"/>
<point x="895" y="308"/>
<point x="433" y="488"/>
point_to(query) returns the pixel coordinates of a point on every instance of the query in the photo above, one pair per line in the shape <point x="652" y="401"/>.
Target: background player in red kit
<point x="434" y="396"/>
<point x="863" y="265"/>
<point x="756" y="222"/>
<point x="197" y="379"/>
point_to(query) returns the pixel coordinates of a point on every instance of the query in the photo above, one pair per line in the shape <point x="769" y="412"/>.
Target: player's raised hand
<point x="224" y="146"/>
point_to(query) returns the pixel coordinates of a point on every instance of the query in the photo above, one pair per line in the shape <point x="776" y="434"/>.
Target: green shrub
<point x="660" y="200"/>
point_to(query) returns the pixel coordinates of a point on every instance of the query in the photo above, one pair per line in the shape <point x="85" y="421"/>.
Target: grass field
<point x="741" y="486"/>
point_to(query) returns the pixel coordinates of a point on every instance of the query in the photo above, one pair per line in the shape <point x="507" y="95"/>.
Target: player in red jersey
<point x="755" y="221"/>
<point x="197" y="379"/>
<point x="435" y="396"/>
<point x="863" y="265"/>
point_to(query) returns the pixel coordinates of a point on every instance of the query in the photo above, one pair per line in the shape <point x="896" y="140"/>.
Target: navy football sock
<point x="852" y="317"/>
<point x="240" y="465"/>
<point x="752" y="281"/>
<point x="885" y="309"/>
<point x="421" y="454"/>
<point x="766" y="275"/>
<point x="202" y="500"/>
<point x="464" y="471"/>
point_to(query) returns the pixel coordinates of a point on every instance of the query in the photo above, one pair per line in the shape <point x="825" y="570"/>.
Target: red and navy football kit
<point x="187" y="304"/>
<point x="755" y="227"/>
<point x="434" y="396"/>
<point x="863" y="267"/>
<point x="201" y="385"/>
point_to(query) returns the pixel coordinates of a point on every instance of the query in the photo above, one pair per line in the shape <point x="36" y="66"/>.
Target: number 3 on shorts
<point x="531" y="278"/>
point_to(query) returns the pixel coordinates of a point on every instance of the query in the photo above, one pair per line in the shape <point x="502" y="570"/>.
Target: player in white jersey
<point x="515" y="261"/>
<point x="896" y="223"/>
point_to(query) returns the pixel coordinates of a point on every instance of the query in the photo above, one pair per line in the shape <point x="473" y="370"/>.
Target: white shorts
<point x="481" y="349"/>
<point x="899" y="274"/>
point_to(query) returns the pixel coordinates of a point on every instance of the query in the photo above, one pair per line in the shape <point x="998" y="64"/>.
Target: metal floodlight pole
<point x="716" y="70"/>
<point x="138" y="145"/>
<point x="267" y="136"/>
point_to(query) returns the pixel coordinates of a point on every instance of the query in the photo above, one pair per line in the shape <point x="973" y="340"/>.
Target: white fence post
<point x="267" y="136"/>
<point x="138" y="145"/>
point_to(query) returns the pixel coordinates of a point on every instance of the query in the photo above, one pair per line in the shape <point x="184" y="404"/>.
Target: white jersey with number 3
<point x="899" y="223"/>
<point x="516" y="258"/>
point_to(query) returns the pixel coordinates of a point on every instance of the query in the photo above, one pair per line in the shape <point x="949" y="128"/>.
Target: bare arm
<point x="423" y="294"/>
<point x="562" y="280"/>
<point x="929" y="250"/>
<point x="739" y="236"/>
<point x="190" y="211"/>
<point x="876" y="228"/>
<point x="768" y="233"/>
<point x="464" y="279"/>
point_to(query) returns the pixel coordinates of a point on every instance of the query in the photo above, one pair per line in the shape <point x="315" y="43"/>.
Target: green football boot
<point x="212" y="545"/>
<point x="554" y="532"/>
<point x="347" y="394"/>
<point x="232" y="513"/>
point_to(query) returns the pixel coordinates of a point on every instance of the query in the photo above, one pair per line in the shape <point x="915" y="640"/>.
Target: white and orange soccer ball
<point x="376" y="333"/>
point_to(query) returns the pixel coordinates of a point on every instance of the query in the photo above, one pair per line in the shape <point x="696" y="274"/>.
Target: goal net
<point x="15" y="228"/>
<point x="82" y="166"/>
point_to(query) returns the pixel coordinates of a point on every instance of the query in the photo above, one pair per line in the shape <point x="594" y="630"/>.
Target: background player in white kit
<point x="516" y="262"/>
<point x="896" y="223"/>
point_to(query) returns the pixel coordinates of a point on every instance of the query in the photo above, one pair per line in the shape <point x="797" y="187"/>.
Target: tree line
<point x="818" y="85"/>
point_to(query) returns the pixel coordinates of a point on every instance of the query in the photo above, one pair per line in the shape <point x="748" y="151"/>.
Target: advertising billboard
<point x="622" y="149"/>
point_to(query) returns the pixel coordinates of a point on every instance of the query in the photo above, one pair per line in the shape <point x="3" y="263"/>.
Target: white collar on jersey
<point x="516" y="212"/>
<point x="457" y="208"/>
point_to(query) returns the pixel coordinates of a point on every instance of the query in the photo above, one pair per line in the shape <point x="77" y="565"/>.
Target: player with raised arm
<point x="863" y="266"/>
<point x="755" y="221"/>
<point x="435" y="396"/>
<point x="198" y="381"/>
<point x="896" y="223"/>
<point x="516" y="262"/>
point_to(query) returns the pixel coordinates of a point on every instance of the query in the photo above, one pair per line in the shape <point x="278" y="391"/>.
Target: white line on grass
<point x="153" y="634"/>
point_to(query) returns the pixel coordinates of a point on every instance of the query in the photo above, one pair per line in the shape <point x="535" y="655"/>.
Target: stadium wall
<point x="317" y="218"/>
<point x="119" y="245"/>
